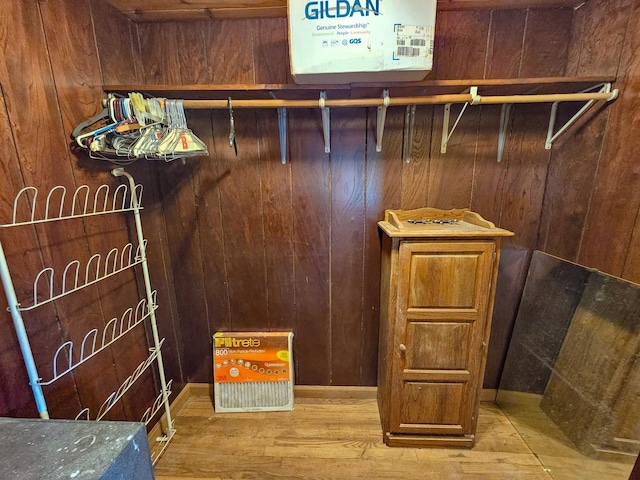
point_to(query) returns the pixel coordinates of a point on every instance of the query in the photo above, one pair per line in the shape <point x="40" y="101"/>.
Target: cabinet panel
<point x="437" y="345"/>
<point x="431" y="403"/>
<point x="443" y="279"/>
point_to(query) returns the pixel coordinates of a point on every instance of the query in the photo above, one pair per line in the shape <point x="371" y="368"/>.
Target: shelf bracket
<point x="380" y="119"/>
<point x="326" y="122"/>
<point x="552" y="137"/>
<point x="502" y="134"/>
<point x="282" y="129"/>
<point x="446" y="133"/>
<point x="409" y="121"/>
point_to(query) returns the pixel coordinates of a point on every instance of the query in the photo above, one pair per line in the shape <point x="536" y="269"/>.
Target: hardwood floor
<point x="553" y="448"/>
<point x="332" y="438"/>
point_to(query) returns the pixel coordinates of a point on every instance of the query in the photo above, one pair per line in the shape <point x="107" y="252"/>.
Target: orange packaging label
<point x="251" y="357"/>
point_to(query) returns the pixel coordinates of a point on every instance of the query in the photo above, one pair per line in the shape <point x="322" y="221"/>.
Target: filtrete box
<point x="253" y="371"/>
<point x="345" y="41"/>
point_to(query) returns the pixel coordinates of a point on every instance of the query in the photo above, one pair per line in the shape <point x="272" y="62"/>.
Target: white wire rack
<point x="47" y="287"/>
<point x="94" y="272"/>
<point x="126" y="385"/>
<point x="56" y="208"/>
<point x="113" y="331"/>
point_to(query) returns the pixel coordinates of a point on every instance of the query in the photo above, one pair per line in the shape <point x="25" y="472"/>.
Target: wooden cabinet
<point x="439" y="272"/>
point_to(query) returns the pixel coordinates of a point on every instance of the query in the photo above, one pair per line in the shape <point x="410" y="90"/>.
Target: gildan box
<point x="253" y="371"/>
<point x="344" y="41"/>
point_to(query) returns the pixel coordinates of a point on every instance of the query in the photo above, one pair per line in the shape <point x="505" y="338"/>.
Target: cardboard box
<point x="253" y="371"/>
<point x="344" y="41"/>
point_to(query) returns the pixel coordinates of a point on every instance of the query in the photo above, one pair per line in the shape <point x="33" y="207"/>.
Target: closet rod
<point x="401" y="101"/>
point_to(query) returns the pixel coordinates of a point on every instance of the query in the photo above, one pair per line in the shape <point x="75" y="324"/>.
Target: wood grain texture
<point x="271" y="51"/>
<point x="120" y="62"/>
<point x="278" y="215"/>
<point x="551" y="294"/>
<point x="165" y="10"/>
<point x="546" y="42"/>
<point x="512" y="272"/>
<point x="243" y="220"/>
<point x="186" y="242"/>
<point x="192" y="54"/>
<point x="311" y="216"/>
<point x="230" y="55"/>
<point x="21" y="249"/>
<point x="451" y="173"/>
<point x="524" y="150"/>
<point x="347" y="234"/>
<point x="415" y="174"/>
<point x="461" y="44"/>
<point x="314" y="440"/>
<point x="28" y="73"/>
<point x="597" y="359"/>
<point x="160" y="53"/>
<point x="208" y="174"/>
<point x="594" y="34"/>
<point x="572" y="172"/>
<point x="504" y="50"/>
<point x="618" y="172"/>
<point x="178" y="191"/>
<point x="117" y="43"/>
<point x="383" y="190"/>
<point x="428" y="178"/>
<point x="489" y="175"/>
<point x="78" y="94"/>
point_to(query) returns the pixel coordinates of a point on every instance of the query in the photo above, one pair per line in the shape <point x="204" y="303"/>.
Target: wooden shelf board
<point x="169" y="10"/>
<point x="519" y="86"/>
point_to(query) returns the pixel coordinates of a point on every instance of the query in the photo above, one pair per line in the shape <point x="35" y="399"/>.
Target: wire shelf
<point x="93" y="273"/>
<point x="104" y="202"/>
<point x="126" y="385"/>
<point x="50" y="285"/>
<point x="163" y="443"/>
<point x="157" y="405"/>
<point x="112" y="331"/>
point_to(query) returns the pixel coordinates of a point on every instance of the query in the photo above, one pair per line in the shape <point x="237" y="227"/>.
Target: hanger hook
<point x="232" y="129"/>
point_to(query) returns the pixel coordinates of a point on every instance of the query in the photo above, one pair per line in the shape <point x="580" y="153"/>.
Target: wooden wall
<point x="247" y="243"/>
<point x="50" y="80"/>
<point x="260" y="245"/>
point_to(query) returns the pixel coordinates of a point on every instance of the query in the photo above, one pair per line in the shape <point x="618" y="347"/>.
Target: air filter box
<point x="253" y="371"/>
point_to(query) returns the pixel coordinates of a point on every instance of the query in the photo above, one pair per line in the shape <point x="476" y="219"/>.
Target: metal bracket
<point x="326" y="122"/>
<point x="552" y="137"/>
<point x="282" y="129"/>
<point x="446" y="133"/>
<point x="502" y="135"/>
<point x="409" y="121"/>
<point x="380" y="119"/>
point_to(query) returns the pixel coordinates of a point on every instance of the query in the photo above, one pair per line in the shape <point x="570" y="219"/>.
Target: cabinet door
<point x="443" y="290"/>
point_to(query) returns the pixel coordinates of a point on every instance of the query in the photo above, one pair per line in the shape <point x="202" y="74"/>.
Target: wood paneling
<point x="599" y="28"/>
<point x="616" y="195"/>
<point x="117" y="41"/>
<point x="347" y="234"/>
<point x="572" y="172"/>
<point x="550" y="297"/>
<point x="461" y="44"/>
<point x="278" y="210"/>
<point x="546" y="42"/>
<point x="505" y="39"/>
<point x="297" y="269"/>
<point x="332" y="297"/>
<point x="168" y="10"/>
<point x="52" y="61"/>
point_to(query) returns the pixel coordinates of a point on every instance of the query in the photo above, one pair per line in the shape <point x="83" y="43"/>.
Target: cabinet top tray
<point x="433" y="222"/>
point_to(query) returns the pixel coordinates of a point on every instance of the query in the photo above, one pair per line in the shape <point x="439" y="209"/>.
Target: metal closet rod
<point x="401" y="101"/>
